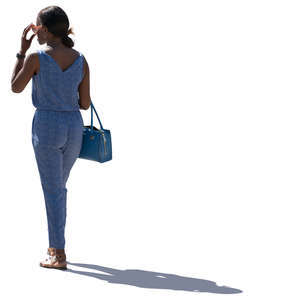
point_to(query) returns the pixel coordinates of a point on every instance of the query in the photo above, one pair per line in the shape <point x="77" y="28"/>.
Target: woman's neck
<point x="55" y="44"/>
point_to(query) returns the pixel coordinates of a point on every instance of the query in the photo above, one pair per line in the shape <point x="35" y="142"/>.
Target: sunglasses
<point x="35" y="28"/>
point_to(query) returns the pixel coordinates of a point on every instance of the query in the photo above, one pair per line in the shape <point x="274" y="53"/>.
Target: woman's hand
<point x="25" y="44"/>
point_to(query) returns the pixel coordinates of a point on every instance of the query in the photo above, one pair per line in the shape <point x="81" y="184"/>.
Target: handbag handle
<point x="93" y="108"/>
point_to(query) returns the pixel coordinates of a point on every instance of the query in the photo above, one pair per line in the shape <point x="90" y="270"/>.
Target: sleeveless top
<point x="54" y="89"/>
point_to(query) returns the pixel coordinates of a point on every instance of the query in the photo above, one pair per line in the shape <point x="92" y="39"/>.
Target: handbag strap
<point x="93" y="108"/>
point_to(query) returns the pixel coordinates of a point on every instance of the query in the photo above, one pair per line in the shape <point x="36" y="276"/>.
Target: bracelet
<point x="20" y="55"/>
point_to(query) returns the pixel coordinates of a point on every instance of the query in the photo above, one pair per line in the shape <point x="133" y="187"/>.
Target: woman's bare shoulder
<point x="77" y="52"/>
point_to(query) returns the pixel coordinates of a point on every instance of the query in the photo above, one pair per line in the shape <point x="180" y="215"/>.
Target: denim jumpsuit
<point x="57" y="129"/>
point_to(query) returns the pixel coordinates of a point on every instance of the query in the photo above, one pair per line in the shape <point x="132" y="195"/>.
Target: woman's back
<point x="55" y="84"/>
<point x="63" y="57"/>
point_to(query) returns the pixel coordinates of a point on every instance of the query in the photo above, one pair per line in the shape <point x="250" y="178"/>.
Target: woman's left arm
<point x="23" y="70"/>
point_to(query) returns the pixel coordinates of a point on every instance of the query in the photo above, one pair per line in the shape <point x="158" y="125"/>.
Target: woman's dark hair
<point x="57" y="22"/>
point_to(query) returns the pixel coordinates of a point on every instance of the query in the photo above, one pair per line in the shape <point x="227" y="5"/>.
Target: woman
<point x="60" y="88"/>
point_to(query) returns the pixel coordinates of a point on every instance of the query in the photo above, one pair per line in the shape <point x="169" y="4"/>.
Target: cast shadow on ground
<point x="152" y="280"/>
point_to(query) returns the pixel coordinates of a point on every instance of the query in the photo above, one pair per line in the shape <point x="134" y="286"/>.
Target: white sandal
<point x="56" y="258"/>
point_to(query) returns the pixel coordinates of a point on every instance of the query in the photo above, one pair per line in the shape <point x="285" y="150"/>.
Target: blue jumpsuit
<point x="57" y="129"/>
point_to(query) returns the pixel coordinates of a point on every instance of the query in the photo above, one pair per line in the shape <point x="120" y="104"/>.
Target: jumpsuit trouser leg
<point x="56" y="140"/>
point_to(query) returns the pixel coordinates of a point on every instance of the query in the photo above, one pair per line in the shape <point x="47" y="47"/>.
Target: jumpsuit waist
<point x="58" y="116"/>
<point x="43" y="109"/>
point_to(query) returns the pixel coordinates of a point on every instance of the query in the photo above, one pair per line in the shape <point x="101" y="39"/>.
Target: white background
<point x="202" y="100"/>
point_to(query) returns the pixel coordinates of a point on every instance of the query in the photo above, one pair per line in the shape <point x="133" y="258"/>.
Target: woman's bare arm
<point x="84" y="88"/>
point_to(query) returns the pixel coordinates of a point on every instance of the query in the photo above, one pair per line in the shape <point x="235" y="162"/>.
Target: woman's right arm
<point x="84" y="88"/>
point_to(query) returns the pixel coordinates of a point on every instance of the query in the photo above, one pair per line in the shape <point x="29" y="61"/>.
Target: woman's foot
<point x="56" y="259"/>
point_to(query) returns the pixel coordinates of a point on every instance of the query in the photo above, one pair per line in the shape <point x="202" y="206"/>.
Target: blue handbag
<point x="96" y="143"/>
